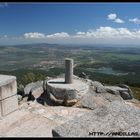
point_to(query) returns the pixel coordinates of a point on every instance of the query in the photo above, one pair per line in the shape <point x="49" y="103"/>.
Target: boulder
<point x="120" y="90"/>
<point x="130" y="96"/>
<point x="28" y="88"/>
<point x="126" y="95"/>
<point x="124" y="91"/>
<point x="97" y="87"/>
<point x="34" y="89"/>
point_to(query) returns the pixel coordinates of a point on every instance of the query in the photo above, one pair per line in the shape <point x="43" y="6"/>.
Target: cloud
<point x="58" y="35"/>
<point x="118" y="20"/>
<point x="37" y="35"/>
<point x="101" y="35"/>
<point x="113" y="17"/>
<point x="108" y="33"/>
<point x="80" y="33"/>
<point x="41" y="35"/>
<point x="34" y="35"/>
<point x="135" y="20"/>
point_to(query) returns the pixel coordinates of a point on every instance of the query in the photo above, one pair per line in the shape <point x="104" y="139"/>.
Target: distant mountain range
<point x="74" y="45"/>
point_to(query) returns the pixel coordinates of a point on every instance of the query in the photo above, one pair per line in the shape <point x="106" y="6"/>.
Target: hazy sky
<point x="92" y="23"/>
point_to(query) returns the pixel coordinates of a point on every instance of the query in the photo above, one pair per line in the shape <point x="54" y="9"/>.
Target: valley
<point x="107" y="64"/>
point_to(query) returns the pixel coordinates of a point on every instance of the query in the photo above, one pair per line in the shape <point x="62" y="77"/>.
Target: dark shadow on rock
<point x="55" y="134"/>
<point x="44" y="99"/>
<point x="53" y="82"/>
<point x="30" y="97"/>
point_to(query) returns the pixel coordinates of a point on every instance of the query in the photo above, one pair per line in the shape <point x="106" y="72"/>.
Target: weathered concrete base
<point x="66" y="94"/>
<point x="8" y="86"/>
<point x="8" y="105"/>
<point x="0" y="110"/>
<point x="8" y="94"/>
<point x="66" y="103"/>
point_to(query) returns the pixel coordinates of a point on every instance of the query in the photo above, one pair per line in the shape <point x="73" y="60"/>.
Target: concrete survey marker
<point x="8" y="94"/>
<point x="67" y="94"/>
<point x="69" y="90"/>
<point x="68" y="71"/>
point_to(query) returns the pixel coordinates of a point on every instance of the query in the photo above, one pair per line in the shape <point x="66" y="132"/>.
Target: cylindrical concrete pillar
<point x="68" y="71"/>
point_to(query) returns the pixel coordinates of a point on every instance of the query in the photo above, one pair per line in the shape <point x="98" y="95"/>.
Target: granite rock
<point x="117" y="117"/>
<point x="34" y="89"/>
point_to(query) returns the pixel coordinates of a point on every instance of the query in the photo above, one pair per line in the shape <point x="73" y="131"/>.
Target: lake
<point x="107" y="70"/>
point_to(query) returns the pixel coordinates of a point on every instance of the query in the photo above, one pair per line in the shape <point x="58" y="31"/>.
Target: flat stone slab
<point x="62" y="91"/>
<point x="118" y="117"/>
<point x="116" y="88"/>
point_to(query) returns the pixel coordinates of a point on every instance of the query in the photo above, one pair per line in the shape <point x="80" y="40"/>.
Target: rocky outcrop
<point x="109" y="108"/>
<point x="35" y="120"/>
<point x="95" y="108"/>
<point x="79" y="92"/>
<point x="117" y="117"/>
<point x="94" y="100"/>
<point x="96" y="86"/>
<point x="130" y="93"/>
<point x="123" y="91"/>
<point x="100" y="95"/>
<point x="82" y="93"/>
